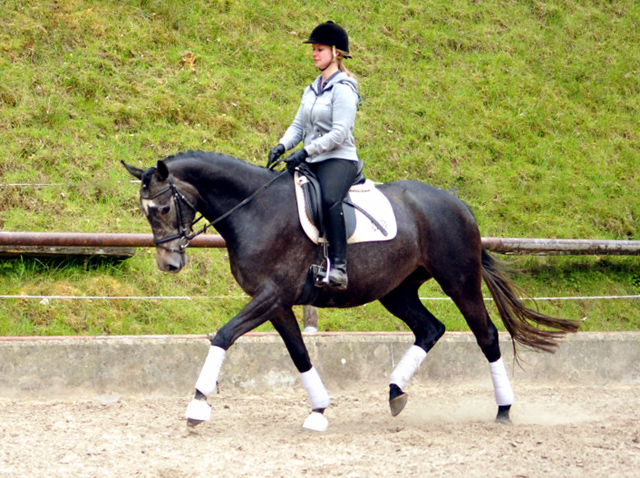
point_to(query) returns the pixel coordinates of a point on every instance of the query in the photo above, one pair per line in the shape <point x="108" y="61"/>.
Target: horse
<point x="254" y="209"/>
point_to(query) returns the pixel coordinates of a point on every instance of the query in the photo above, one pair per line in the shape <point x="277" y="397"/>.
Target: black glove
<point x="296" y="158"/>
<point x="275" y="153"/>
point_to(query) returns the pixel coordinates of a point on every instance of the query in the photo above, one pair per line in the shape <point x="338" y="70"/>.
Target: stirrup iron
<point x="321" y="274"/>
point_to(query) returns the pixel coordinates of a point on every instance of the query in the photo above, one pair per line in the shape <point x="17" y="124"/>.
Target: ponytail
<point x="338" y="56"/>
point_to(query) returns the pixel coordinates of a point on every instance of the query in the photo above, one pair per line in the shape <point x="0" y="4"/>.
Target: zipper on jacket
<point x="311" y="114"/>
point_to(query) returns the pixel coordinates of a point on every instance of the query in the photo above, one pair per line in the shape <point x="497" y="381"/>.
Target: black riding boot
<point x="337" y="237"/>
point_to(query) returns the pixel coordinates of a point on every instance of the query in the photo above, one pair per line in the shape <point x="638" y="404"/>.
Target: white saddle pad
<point x="366" y="196"/>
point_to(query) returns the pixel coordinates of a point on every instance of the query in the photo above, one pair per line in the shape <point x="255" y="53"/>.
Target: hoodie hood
<point x="340" y="77"/>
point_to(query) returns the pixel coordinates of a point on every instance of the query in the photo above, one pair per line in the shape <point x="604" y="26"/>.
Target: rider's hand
<point x="275" y="153"/>
<point x="295" y="158"/>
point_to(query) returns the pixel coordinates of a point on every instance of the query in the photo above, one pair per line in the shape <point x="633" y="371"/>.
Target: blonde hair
<point x="338" y="56"/>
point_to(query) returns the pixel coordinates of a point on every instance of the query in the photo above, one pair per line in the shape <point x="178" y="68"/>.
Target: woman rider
<point x="324" y="123"/>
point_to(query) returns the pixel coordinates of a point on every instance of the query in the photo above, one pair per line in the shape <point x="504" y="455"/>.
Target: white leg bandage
<point x="501" y="384"/>
<point x="410" y="362"/>
<point x="199" y="410"/>
<point x="210" y="370"/>
<point x="315" y="389"/>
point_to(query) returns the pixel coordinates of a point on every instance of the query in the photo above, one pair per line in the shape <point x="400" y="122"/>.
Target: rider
<point x="325" y="122"/>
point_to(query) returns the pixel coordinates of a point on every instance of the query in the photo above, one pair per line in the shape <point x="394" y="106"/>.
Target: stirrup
<point x="327" y="276"/>
<point x="322" y="274"/>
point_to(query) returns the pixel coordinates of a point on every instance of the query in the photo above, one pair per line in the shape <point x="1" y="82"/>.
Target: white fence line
<point x="92" y="297"/>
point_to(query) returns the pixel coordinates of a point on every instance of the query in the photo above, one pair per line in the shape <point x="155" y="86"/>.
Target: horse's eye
<point x="166" y="209"/>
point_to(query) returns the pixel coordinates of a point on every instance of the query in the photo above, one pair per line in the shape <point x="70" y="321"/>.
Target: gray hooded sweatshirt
<point x="325" y="120"/>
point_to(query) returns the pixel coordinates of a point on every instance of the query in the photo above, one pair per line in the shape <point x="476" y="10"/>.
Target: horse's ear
<point x="135" y="172"/>
<point x="163" y="171"/>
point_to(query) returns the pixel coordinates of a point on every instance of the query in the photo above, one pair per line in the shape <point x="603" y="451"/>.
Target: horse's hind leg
<point x="404" y="303"/>
<point x="486" y="333"/>
<point x="289" y="330"/>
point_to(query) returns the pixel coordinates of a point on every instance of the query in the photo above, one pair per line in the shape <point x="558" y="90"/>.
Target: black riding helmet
<point x="331" y="34"/>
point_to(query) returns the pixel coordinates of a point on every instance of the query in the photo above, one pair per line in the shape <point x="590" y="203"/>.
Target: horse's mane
<point x="206" y="156"/>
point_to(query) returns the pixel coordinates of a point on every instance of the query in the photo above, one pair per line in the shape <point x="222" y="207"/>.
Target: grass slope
<point x="527" y="110"/>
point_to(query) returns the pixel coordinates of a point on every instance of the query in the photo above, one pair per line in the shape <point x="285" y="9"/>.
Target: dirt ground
<point x="558" y="431"/>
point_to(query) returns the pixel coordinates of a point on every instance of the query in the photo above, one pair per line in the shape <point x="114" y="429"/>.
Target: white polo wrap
<point x="312" y="383"/>
<point x="407" y="366"/>
<point x="210" y="370"/>
<point x="199" y="410"/>
<point x="501" y="384"/>
<point x="316" y="422"/>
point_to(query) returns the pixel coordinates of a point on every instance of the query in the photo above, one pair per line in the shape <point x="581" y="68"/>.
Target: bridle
<point x="182" y="229"/>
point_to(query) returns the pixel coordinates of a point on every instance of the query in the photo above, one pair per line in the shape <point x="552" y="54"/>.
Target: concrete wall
<point x="169" y="365"/>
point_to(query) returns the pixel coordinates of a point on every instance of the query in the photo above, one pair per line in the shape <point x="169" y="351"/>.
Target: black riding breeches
<point x="336" y="177"/>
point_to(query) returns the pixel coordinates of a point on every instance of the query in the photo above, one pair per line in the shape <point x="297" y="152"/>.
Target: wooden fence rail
<point x="96" y="243"/>
<point x="561" y="246"/>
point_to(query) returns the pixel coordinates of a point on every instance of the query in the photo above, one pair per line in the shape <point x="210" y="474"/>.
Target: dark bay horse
<point x="270" y="257"/>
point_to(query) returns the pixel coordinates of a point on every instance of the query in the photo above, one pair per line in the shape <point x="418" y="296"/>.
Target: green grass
<point x="528" y="110"/>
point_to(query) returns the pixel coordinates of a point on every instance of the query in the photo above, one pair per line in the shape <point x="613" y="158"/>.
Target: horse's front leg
<point x="261" y="308"/>
<point x="289" y="330"/>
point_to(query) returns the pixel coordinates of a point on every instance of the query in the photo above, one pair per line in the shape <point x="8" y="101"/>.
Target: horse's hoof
<point x="198" y="411"/>
<point x="504" y="420"/>
<point x="503" y="415"/>
<point x="191" y="423"/>
<point x="398" y="403"/>
<point x="316" y="422"/>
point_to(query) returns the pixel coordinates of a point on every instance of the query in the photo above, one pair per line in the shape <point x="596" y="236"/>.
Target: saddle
<point x="368" y="213"/>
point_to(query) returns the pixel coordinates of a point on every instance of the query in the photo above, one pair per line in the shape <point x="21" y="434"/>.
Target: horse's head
<point x="169" y="205"/>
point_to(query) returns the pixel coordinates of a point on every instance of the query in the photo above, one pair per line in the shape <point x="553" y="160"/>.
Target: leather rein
<point x="183" y="231"/>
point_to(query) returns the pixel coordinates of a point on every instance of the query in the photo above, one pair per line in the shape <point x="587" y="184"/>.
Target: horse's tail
<point x="518" y="319"/>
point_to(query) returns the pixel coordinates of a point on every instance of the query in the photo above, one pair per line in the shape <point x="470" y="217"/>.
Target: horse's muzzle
<point x="170" y="261"/>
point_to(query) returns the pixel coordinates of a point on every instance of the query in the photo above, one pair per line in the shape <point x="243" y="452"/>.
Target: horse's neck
<point x="224" y="183"/>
